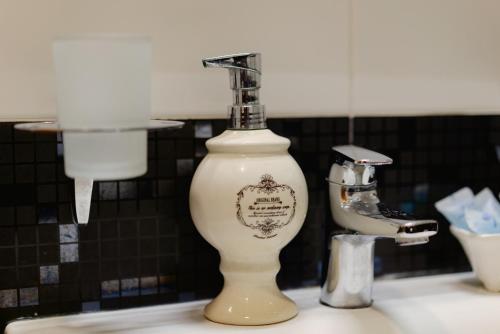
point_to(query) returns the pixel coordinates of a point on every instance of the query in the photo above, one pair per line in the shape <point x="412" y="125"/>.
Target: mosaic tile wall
<point x="141" y="247"/>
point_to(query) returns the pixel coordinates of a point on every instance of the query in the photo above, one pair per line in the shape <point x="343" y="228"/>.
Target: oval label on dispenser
<point x="266" y="206"/>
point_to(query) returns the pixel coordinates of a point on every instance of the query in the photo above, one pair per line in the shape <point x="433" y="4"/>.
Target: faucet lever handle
<point x="359" y="156"/>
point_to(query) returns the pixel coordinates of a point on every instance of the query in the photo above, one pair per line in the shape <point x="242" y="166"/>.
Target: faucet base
<point x="341" y="306"/>
<point x="349" y="279"/>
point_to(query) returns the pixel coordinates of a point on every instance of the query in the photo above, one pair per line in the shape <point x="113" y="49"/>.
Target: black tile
<point x="88" y="232"/>
<point x="152" y="171"/>
<point x="148" y="266"/>
<point x="6" y="132"/>
<point x="8" y="258"/>
<point x="152" y="149"/>
<point x="147" y="207"/>
<point x="167" y="265"/>
<point x="27" y="235"/>
<point x="48" y="294"/>
<point x="46" y="172"/>
<point x="167" y="245"/>
<point x="8" y="277"/>
<point x="65" y="214"/>
<point x="108" y="190"/>
<point x="146" y="189"/>
<point x="25" y="215"/>
<point x="129" y="248"/>
<point x="147" y="227"/>
<point x="69" y="292"/>
<point x="109" y="249"/>
<point x="127" y="189"/>
<point x="129" y="268"/>
<point x="24" y="152"/>
<point x="109" y="229"/>
<point x="46" y="152"/>
<point x="27" y="255"/>
<point x="23" y="136"/>
<point x="166" y="188"/>
<point x="47" y="214"/>
<point x="91" y="290"/>
<point x="89" y="271"/>
<point x="309" y="126"/>
<point x="128" y="209"/>
<point x="166" y="149"/>
<point x="46" y="137"/>
<point x="184" y="148"/>
<point x="128" y="228"/>
<point x="89" y="251"/>
<point x="167" y="226"/>
<point x="65" y="192"/>
<point x="29" y="276"/>
<point x="69" y="272"/>
<point x="108" y="209"/>
<point x="49" y="254"/>
<point x="7" y="214"/>
<point x="6" y="174"/>
<point x="148" y="247"/>
<point x="48" y="233"/>
<point x="187" y="131"/>
<point x="47" y="193"/>
<point x="200" y="149"/>
<point x="109" y="270"/>
<point x="6" y="153"/>
<point x="166" y="168"/>
<point x="7" y="236"/>
<point x="22" y="194"/>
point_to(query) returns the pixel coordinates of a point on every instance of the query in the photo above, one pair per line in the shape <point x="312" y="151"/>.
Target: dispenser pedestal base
<point x="237" y="305"/>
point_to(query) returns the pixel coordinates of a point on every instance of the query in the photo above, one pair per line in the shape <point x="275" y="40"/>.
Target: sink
<point x="455" y="303"/>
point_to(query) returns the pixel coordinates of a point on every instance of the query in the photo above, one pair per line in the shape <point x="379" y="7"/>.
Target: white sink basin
<point x="437" y="304"/>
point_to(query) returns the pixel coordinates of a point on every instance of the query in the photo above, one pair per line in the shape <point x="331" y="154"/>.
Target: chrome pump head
<point x="246" y="112"/>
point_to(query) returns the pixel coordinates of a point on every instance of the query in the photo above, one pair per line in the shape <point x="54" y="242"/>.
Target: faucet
<point x="356" y="207"/>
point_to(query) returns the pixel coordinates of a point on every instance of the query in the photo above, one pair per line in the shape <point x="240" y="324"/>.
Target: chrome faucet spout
<point x="355" y="206"/>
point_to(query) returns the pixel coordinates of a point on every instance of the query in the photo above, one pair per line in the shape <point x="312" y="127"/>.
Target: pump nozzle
<point x="244" y="75"/>
<point x="244" y="69"/>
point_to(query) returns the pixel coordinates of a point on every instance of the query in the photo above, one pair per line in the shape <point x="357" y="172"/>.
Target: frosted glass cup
<point x="104" y="83"/>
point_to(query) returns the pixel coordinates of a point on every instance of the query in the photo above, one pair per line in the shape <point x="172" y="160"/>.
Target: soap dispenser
<point x="248" y="199"/>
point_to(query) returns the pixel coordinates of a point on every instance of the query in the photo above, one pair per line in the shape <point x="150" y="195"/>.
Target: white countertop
<point x="435" y="304"/>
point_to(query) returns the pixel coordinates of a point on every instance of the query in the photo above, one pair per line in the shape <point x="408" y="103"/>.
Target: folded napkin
<point x="479" y="214"/>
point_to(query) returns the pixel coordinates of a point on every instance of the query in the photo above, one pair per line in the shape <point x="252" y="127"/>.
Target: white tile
<point x="28" y="296"/>
<point x="49" y="274"/>
<point x="68" y="233"/>
<point x="69" y="252"/>
<point x="8" y="298"/>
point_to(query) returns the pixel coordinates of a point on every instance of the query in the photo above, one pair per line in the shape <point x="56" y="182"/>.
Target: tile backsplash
<point x="140" y="246"/>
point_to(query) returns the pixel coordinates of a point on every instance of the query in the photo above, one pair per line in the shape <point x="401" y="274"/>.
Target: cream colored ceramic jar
<point x="249" y="199"/>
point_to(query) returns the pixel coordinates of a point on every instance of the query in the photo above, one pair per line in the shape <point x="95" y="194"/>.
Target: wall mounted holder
<point x="100" y="145"/>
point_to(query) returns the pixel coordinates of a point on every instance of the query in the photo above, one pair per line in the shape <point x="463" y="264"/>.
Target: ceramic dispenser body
<point x="249" y="199"/>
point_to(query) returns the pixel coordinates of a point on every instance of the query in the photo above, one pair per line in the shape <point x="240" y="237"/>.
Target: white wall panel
<point x="426" y="56"/>
<point x="304" y="47"/>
